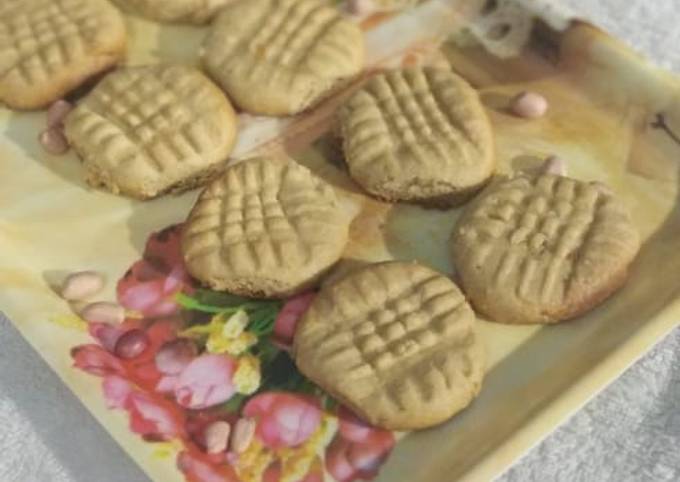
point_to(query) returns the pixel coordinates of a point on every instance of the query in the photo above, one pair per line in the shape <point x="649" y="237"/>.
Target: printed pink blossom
<point x="164" y="246"/>
<point x="151" y="284"/>
<point x="347" y="461"/>
<point x="143" y="368"/>
<point x="97" y="361"/>
<point x="107" y="335"/>
<point x="159" y="333"/>
<point x="149" y="416"/>
<point x="199" y="468"/>
<point x="354" y="429"/>
<point x="145" y="374"/>
<point x="358" y="450"/>
<point x="284" y="419"/>
<point x="150" y="291"/>
<point x="117" y="391"/>
<point x="167" y="384"/>
<point x="153" y="417"/>
<point x="288" y="317"/>
<point x="206" y="381"/>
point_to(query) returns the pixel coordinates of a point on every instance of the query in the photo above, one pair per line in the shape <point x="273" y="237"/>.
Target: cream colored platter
<point x="613" y="116"/>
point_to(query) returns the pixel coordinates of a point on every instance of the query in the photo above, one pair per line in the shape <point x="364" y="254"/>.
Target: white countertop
<point x="630" y="432"/>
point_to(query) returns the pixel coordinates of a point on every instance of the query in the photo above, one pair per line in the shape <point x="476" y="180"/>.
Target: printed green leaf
<point x="234" y="404"/>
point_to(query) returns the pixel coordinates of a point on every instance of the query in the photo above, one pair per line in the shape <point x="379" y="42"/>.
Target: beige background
<point x="627" y="433"/>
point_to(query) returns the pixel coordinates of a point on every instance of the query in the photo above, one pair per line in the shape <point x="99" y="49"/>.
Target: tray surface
<point x="615" y="118"/>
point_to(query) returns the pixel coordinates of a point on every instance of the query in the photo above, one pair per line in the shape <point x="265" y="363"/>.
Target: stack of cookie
<point x="535" y="247"/>
<point x="396" y="342"/>
<point x="146" y="131"/>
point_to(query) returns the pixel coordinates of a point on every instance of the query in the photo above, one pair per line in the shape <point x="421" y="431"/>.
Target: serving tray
<point x="613" y="116"/>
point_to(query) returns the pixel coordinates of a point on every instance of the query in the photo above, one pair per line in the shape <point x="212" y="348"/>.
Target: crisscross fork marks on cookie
<point x="252" y="213"/>
<point x="293" y="27"/>
<point x="150" y="113"/>
<point x="45" y="38"/>
<point x="391" y="340"/>
<point x="50" y="47"/>
<point x="291" y="31"/>
<point x="549" y="215"/>
<point x="263" y="219"/>
<point x="280" y="57"/>
<point x="417" y="134"/>
<point x="415" y="117"/>
<point x="405" y="324"/>
<point x="242" y="221"/>
<point x="146" y="130"/>
<point x="183" y="11"/>
<point x="543" y="248"/>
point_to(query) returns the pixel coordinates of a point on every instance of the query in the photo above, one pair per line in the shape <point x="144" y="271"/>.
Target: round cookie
<point x="542" y="248"/>
<point x="395" y="342"/>
<point x="418" y="134"/>
<point x="180" y="11"/>
<point x="266" y="228"/>
<point x="145" y="131"/>
<point x="50" y="47"/>
<point x="280" y="57"/>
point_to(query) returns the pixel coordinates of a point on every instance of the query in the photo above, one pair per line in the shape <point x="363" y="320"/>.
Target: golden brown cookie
<point x="542" y="248"/>
<point x="280" y="57"/>
<point x="419" y="134"/>
<point x="180" y="11"/>
<point x="50" y="47"/>
<point x="395" y="342"/>
<point x="145" y="131"/>
<point x="267" y="228"/>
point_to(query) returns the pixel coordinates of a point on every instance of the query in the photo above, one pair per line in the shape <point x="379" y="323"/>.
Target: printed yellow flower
<point x="236" y="324"/>
<point x="166" y="450"/>
<point x="225" y="333"/>
<point x="216" y="324"/>
<point x="253" y="462"/>
<point x="248" y="376"/>
<point x="296" y="461"/>
<point x="218" y="344"/>
<point x="228" y="325"/>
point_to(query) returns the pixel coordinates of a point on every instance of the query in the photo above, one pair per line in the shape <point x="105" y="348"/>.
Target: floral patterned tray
<point x="615" y="118"/>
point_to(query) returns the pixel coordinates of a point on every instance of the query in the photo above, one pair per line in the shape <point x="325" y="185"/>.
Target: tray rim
<point x="559" y="411"/>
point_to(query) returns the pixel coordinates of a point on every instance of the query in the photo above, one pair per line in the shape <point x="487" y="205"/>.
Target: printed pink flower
<point x="290" y="314"/>
<point x="141" y="370"/>
<point x="145" y="374"/>
<point x="97" y="361"/>
<point x="154" y="417"/>
<point x="206" y="381"/>
<point x="159" y="333"/>
<point x="199" y="468"/>
<point x="284" y="419"/>
<point x="106" y="334"/>
<point x="197" y="423"/>
<point x="117" y="391"/>
<point x="358" y="450"/>
<point x="167" y="384"/>
<point x="150" y="291"/>
<point x="152" y="283"/>
<point x="165" y="246"/>
<point x="347" y="461"/>
<point x="354" y="429"/>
